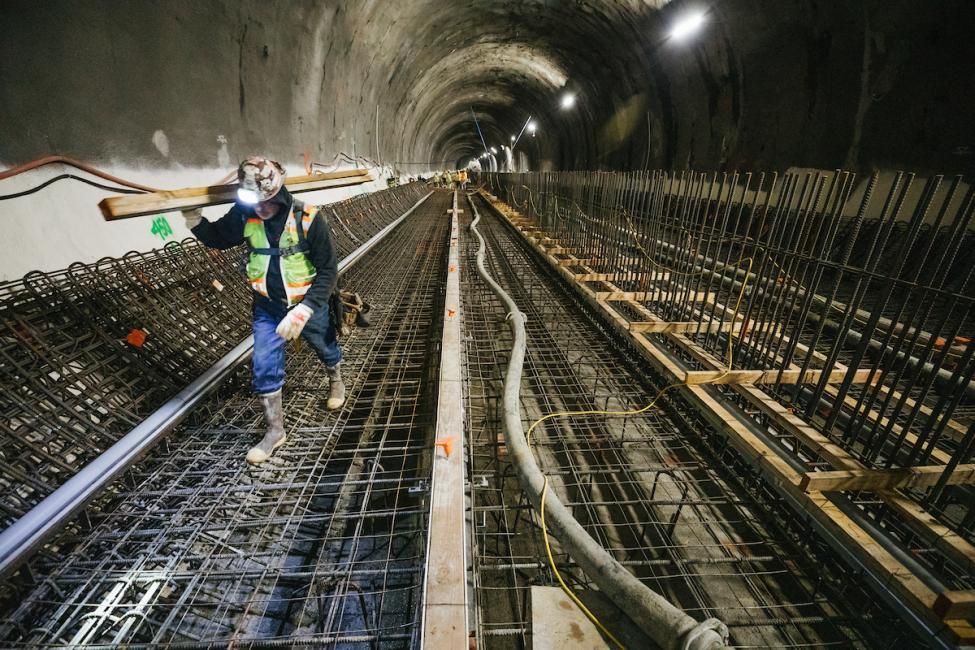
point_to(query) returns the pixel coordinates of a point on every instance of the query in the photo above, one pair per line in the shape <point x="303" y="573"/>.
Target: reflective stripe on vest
<point x="297" y="271"/>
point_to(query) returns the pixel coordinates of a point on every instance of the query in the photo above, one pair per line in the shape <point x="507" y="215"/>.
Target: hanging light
<point x="568" y="101"/>
<point x="686" y="26"/>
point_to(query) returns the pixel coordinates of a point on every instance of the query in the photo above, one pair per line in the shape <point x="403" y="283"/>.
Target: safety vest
<point x="297" y="271"/>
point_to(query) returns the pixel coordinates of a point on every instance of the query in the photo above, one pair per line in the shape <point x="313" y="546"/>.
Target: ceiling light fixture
<point x="687" y="26"/>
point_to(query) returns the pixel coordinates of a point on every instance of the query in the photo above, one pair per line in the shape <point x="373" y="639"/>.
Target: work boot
<point x="336" y="389"/>
<point x="274" y="438"/>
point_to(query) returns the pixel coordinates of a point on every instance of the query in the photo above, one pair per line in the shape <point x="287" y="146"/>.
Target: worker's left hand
<point x="193" y="217"/>
<point x="291" y="325"/>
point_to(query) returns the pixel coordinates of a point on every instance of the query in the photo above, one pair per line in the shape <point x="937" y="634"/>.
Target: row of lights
<point x="568" y="101"/>
<point x="683" y="28"/>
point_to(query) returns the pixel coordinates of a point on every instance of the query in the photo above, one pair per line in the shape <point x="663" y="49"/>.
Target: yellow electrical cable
<point x="548" y="548"/>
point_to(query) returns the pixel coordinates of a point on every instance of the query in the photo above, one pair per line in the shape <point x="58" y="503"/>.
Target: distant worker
<point x="462" y="178"/>
<point x="293" y="270"/>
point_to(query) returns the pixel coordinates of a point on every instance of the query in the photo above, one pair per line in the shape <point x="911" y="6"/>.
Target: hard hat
<point x="260" y="179"/>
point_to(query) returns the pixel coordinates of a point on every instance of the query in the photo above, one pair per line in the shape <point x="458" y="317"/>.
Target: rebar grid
<point x="875" y="278"/>
<point x="640" y="485"/>
<point x="323" y="545"/>
<point x="74" y="384"/>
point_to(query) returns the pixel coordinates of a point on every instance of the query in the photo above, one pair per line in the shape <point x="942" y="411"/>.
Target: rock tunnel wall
<point x="173" y="94"/>
<point x="767" y="84"/>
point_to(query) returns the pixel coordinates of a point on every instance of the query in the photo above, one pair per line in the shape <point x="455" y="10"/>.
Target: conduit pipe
<point x="667" y="625"/>
<point x="71" y="162"/>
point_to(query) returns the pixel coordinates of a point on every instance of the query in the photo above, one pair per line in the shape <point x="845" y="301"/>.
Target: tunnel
<point x="487" y="324"/>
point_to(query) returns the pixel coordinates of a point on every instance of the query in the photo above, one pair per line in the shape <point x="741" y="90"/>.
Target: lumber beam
<point x="634" y="296"/>
<point x="759" y="376"/>
<point x="682" y="327"/>
<point x="445" y="589"/>
<point x="603" y="277"/>
<point x="885" y="479"/>
<point x="956" y="604"/>
<point x="137" y="205"/>
<point x="573" y="261"/>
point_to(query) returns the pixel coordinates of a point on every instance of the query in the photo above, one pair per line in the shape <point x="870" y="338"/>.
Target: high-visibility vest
<point x="297" y="271"/>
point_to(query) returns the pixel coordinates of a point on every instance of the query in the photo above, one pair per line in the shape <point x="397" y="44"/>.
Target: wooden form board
<point x="895" y="575"/>
<point x="885" y="479"/>
<point x="956" y="604"/>
<point x="756" y="376"/>
<point x="137" y="205"/>
<point x="445" y="588"/>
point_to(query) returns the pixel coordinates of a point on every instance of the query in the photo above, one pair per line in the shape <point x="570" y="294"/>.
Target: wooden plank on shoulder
<point x="137" y="205"/>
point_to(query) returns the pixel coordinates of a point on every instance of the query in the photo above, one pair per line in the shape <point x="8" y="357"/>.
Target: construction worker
<point x="293" y="270"/>
<point x="462" y="178"/>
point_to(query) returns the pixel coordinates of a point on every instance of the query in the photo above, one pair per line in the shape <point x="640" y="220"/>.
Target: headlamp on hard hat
<point x="248" y="196"/>
<point x="259" y="179"/>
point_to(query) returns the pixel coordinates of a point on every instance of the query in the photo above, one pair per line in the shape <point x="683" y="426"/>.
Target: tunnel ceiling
<point x="763" y="84"/>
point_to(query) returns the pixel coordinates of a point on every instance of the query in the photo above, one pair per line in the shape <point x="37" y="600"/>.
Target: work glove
<point x="193" y="217"/>
<point x="294" y="321"/>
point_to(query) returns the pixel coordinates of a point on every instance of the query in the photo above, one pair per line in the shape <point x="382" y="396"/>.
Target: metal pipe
<point x="667" y="625"/>
<point x="26" y="534"/>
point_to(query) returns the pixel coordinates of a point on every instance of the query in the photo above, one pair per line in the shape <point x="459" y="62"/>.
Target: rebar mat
<point x="88" y="352"/>
<point x="322" y="546"/>
<point x="685" y="518"/>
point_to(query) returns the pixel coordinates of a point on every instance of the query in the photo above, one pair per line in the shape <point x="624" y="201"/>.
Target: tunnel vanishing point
<point x="667" y="334"/>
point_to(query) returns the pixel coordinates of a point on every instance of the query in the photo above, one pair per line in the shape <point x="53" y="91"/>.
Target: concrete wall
<point x="62" y="224"/>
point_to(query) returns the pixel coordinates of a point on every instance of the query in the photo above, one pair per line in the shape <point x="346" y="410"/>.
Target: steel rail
<point x="667" y="625"/>
<point x="28" y="533"/>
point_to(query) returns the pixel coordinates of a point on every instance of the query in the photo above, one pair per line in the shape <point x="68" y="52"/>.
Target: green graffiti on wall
<point x="161" y="227"/>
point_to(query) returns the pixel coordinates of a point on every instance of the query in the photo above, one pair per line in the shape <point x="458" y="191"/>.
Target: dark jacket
<point x="228" y="231"/>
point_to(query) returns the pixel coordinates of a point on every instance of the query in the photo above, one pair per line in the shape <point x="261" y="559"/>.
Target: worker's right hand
<point x="294" y="321"/>
<point x="193" y="217"/>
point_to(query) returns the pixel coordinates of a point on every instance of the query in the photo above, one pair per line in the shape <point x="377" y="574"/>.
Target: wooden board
<point x="137" y="205"/>
<point x="885" y="479"/>
<point x="445" y="593"/>
<point x="956" y="604"/>
<point x="746" y="376"/>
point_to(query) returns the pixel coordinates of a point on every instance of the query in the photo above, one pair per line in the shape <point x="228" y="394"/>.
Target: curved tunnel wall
<point x="765" y="84"/>
<point x="170" y="87"/>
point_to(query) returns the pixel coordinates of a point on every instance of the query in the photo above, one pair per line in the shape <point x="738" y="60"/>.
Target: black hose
<point x="38" y="188"/>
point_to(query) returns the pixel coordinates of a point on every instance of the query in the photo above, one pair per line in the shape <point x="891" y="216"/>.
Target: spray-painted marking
<point x="161" y="227"/>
